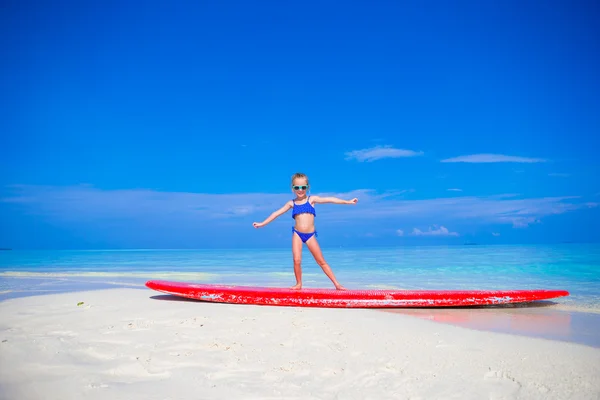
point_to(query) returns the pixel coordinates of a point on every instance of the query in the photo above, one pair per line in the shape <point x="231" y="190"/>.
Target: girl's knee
<point x="321" y="262"/>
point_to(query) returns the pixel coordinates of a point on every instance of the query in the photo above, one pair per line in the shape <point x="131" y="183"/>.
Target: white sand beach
<point x="139" y="344"/>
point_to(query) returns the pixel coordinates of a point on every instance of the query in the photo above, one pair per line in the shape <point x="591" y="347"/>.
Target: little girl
<point x="303" y="211"/>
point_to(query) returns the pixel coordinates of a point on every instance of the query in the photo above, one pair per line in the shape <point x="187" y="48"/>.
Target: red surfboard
<point x="349" y="298"/>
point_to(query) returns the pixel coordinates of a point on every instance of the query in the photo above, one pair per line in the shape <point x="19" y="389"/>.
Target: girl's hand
<point x="257" y="225"/>
<point x="353" y="201"/>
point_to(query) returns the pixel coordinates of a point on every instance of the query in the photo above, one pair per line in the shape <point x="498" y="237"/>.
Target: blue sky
<point x="177" y="125"/>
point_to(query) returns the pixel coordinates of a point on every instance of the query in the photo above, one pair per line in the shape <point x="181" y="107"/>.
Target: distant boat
<point x="470" y="244"/>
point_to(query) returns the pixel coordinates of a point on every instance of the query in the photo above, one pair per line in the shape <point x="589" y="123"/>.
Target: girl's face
<point x="300" y="186"/>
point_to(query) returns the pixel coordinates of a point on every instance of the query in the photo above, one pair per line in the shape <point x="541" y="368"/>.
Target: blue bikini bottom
<point x="304" y="236"/>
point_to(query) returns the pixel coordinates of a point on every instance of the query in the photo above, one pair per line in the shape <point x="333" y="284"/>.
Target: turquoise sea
<point x="572" y="267"/>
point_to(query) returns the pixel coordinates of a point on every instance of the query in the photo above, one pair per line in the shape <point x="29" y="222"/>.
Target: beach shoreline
<point x="551" y="319"/>
<point x="130" y="343"/>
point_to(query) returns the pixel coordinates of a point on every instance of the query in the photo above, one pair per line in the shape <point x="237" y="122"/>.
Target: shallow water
<point x="572" y="267"/>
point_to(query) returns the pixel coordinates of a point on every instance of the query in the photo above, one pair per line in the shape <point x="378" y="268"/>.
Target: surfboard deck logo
<point x="310" y="297"/>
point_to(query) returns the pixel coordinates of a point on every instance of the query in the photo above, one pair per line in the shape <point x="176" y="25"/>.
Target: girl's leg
<point x="297" y="254"/>
<point x="315" y="249"/>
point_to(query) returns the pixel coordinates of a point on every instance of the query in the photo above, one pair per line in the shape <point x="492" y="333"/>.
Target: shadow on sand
<point x="170" y="297"/>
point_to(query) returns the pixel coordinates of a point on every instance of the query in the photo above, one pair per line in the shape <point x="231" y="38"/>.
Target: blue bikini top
<point x="303" y="208"/>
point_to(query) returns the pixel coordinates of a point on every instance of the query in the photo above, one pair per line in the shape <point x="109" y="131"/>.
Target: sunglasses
<point x="300" y="187"/>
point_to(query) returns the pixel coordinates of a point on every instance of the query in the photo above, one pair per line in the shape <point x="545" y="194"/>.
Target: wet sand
<point x="544" y="320"/>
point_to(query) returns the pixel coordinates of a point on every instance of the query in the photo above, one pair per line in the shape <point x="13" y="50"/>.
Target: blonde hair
<point x="299" y="175"/>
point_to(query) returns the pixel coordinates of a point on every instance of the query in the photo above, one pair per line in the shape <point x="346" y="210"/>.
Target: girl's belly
<point x="305" y="223"/>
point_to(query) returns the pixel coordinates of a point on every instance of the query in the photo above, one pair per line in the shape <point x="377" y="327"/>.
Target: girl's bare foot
<point x="340" y="287"/>
<point x="297" y="286"/>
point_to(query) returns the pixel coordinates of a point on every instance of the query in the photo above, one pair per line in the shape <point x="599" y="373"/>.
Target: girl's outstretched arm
<point x="334" y="200"/>
<point x="274" y="215"/>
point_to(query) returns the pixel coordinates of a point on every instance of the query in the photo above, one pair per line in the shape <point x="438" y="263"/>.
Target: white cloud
<point x="86" y="203"/>
<point x="503" y="209"/>
<point x="495" y="234"/>
<point x="400" y="232"/>
<point x="454" y="190"/>
<point x="559" y="175"/>
<point x="380" y="152"/>
<point x="524" y="222"/>
<point x="492" y="158"/>
<point x="441" y="231"/>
